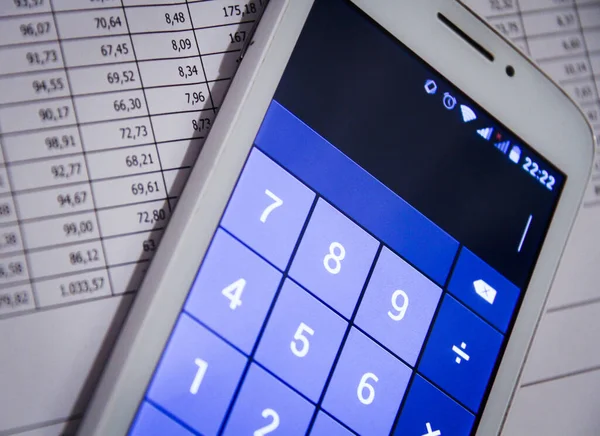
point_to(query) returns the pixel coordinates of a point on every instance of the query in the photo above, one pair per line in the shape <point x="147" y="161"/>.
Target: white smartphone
<point x="367" y="240"/>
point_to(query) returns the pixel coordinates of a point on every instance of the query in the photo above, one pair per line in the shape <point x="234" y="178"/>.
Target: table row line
<point x="113" y="78"/>
<point x="108" y="50"/>
<point x="592" y="112"/>
<point x="118" y="21"/>
<point x="110" y="106"/>
<point x="572" y="68"/>
<point x="186" y="74"/>
<point x="583" y="91"/>
<point x="74" y="166"/>
<point x="52" y="232"/>
<point x="203" y="12"/>
<point x="72" y="229"/>
<point x="72" y="288"/>
<point x="101" y="135"/>
<point x="556" y="46"/>
<point x="85" y="256"/>
<point x="494" y="9"/>
<point x="124" y="161"/>
<point x="512" y="27"/>
<point x="546" y="23"/>
<point x="86" y="196"/>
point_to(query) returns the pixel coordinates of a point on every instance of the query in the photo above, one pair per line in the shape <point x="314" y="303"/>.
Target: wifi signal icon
<point x="467" y="113"/>
<point x="486" y="133"/>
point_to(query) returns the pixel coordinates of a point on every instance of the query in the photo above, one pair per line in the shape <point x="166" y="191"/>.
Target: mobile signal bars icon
<point x="467" y="113"/>
<point x="502" y="146"/>
<point x="486" y="133"/>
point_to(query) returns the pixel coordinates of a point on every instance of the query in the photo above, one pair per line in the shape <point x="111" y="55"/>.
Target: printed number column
<point x="124" y="167"/>
<point x="588" y="12"/>
<point x="558" y="46"/>
<point x="37" y="122"/>
<point x="221" y="29"/>
<point x="28" y="54"/>
<point x="179" y="101"/>
<point x="56" y="205"/>
<point x="589" y="95"/>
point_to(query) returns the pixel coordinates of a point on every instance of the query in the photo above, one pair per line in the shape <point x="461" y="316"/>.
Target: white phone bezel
<point x="568" y="144"/>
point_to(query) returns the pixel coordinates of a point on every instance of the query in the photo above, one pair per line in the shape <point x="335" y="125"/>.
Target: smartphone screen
<point x="371" y="261"/>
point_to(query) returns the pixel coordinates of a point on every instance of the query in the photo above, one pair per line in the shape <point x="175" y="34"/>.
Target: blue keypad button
<point x="367" y="386"/>
<point x="301" y="340"/>
<point x="334" y="258"/>
<point x="327" y="170"/>
<point x="268" y="209"/>
<point x="197" y="376"/>
<point x="460" y="353"/>
<point x="327" y="426"/>
<point x="265" y="405"/>
<point x="398" y="306"/>
<point x="233" y="291"/>
<point x="483" y="289"/>
<point x="428" y="410"/>
<point x="152" y="422"/>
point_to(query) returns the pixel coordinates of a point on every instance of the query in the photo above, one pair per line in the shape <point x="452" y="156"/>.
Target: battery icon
<point x="515" y="154"/>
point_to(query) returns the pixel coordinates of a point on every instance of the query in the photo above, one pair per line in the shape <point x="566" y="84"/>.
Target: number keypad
<point x="398" y="306"/>
<point x="268" y="209"/>
<point x="334" y="258"/>
<point x="301" y="321"/>
<point x="367" y="386"/>
<point x="233" y="291"/>
<point x="266" y="406"/>
<point x="197" y="376"/>
<point x="301" y="340"/>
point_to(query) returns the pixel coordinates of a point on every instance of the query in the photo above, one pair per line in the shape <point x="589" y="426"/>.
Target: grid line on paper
<point x="69" y="53"/>
<point x="28" y="281"/>
<point x="75" y="115"/>
<point x="522" y="21"/>
<point x="66" y="65"/>
<point x="162" y="174"/>
<point x="212" y="103"/>
<point x="587" y="50"/>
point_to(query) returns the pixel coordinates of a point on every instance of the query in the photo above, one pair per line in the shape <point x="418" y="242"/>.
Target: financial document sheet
<point x="104" y="106"/>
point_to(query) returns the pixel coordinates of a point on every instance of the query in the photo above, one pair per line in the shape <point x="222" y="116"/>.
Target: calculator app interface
<point x="371" y="261"/>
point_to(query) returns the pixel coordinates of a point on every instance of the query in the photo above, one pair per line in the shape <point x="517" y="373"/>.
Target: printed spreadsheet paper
<point x="104" y="106"/>
<point x="560" y="394"/>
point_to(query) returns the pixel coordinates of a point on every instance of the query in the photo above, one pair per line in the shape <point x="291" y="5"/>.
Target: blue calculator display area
<point x="310" y="314"/>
